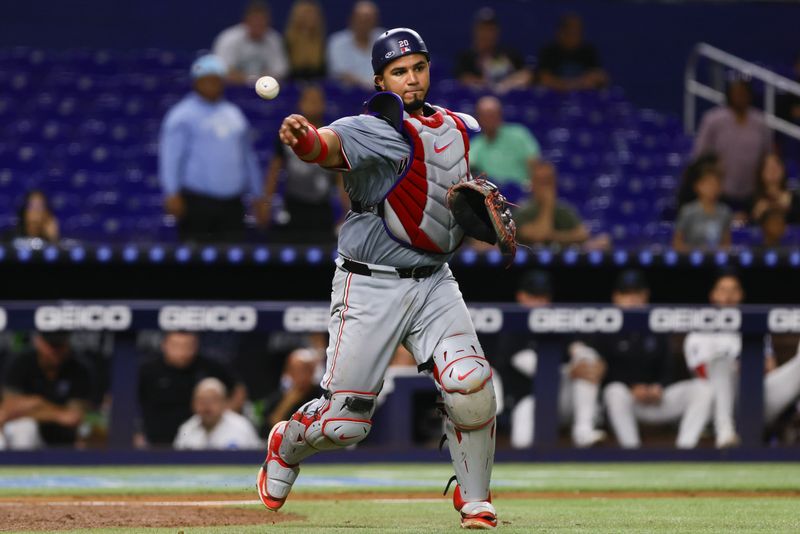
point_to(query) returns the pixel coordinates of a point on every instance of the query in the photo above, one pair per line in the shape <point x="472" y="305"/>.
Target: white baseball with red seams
<point x="267" y="87"/>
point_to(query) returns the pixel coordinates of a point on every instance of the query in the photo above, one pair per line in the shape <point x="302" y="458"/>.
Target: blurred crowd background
<point x="167" y="145"/>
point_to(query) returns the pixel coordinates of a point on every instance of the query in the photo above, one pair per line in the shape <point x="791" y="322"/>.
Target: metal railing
<point x="772" y="84"/>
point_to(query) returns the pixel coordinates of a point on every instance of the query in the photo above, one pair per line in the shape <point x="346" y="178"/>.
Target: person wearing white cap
<point x="206" y="159"/>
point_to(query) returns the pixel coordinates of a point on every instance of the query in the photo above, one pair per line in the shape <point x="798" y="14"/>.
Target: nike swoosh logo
<point x="345" y="438"/>
<point x="442" y="149"/>
<point x="462" y="377"/>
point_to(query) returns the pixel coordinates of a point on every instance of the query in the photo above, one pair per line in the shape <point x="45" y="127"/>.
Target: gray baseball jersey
<point x="376" y="155"/>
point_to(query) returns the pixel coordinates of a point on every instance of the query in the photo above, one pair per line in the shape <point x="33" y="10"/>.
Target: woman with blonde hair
<point x="305" y="41"/>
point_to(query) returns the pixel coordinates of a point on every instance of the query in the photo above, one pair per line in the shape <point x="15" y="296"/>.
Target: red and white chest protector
<point x="415" y="211"/>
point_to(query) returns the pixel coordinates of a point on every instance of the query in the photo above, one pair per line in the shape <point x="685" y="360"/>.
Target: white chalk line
<point x="133" y="503"/>
<point x="192" y="503"/>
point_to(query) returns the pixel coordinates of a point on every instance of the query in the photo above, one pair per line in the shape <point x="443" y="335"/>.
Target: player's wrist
<point x="306" y="146"/>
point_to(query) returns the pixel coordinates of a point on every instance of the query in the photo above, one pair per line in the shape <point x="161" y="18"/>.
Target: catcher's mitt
<point x="482" y="212"/>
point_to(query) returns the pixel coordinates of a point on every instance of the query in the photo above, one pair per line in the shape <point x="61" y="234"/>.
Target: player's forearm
<point x="321" y="147"/>
<point x="33" y="406"/>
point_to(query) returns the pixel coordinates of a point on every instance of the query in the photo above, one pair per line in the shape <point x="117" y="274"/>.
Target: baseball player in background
<point x="392" y="284"/>
<point x="715" y="357"/>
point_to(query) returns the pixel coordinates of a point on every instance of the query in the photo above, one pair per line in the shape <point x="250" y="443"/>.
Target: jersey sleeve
<point x="368" y="140"/>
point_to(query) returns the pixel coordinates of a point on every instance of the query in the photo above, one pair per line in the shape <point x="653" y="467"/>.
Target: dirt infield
<point x="47" y="513"/>
<point x="60" y="514"/>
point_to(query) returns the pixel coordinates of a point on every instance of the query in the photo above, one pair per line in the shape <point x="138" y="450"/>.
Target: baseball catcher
<point x="406" y="171"/>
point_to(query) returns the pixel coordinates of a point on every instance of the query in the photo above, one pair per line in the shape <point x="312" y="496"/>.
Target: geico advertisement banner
<point x="780" y="320"/>
<point x="486" y="320"/>
<point x="315" y="319"/>
<point x="213" y="318"/>
<point x="694" y="320"/>
<point x="89" y="317"/>
<point x="579" y="320"/>
<point x="306" y="319"/>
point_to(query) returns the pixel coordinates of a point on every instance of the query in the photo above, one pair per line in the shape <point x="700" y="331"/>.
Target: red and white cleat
<point x="275" y="478"/>
<point x="479" y="515"/>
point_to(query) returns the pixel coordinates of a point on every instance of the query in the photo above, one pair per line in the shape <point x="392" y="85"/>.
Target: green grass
<point x="667" y="514"/>
<point x="712" y="515"/>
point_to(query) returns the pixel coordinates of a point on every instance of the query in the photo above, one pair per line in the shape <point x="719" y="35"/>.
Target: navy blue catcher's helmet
<point x="395" y="43"/>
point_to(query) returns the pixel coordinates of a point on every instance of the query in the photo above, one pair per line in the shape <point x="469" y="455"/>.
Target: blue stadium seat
<point x="84" y="125"/>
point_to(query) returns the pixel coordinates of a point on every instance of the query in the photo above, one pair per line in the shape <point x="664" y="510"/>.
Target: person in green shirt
<point x="505" y="152"/>
<point x="544" y="218"/>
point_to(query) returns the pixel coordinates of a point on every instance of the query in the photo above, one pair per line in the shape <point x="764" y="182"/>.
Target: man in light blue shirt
<point x="350" y="50"/>
<point x="206" y="160"/>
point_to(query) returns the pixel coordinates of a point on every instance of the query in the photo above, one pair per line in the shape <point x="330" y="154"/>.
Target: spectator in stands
<point x="714" y="357"/>
<point x="696" y="167"/>
<point x="206" y="159"/>
<point x="640" y="378"/>
<point x="350" y="50"/>
<point x="299" y="384"/>
<point x="252" y="49"/>
<point x="773" y="228"/>
<point x="488" y="64"/>
<point x="166" y="385"/>
<point x="706" y="222"/>
<point x="545" y="218"/>
<point x="308" y="189"/>
<point x="772" y="191"/>
<point x="580" y="375"/>
<point x="36" y="219"/>
<point x="738" y="134"/>
<point x="505" y="152"/>
<point x="214" y="425"/>
<point x="46" y="394"/>
<point x="305" y="41"/>
<point x="569" y="63"/>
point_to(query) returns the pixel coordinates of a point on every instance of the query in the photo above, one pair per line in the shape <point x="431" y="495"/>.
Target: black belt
<point x="423" y="271"/>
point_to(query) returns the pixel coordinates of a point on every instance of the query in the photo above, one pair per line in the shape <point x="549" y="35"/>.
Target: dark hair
<point x="24" y="207"/>
<point x="631" y="281"/>
<point x="536" y="282"/>
<point x="256" y="6"/>
<point x="699" y="167"/>
<point x="761" y="189"/>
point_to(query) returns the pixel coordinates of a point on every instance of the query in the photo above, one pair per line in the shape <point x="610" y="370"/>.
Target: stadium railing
<point x="720" y="59"/>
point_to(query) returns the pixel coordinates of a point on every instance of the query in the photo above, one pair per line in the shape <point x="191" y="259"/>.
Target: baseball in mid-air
<point x="267" y="87"/>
